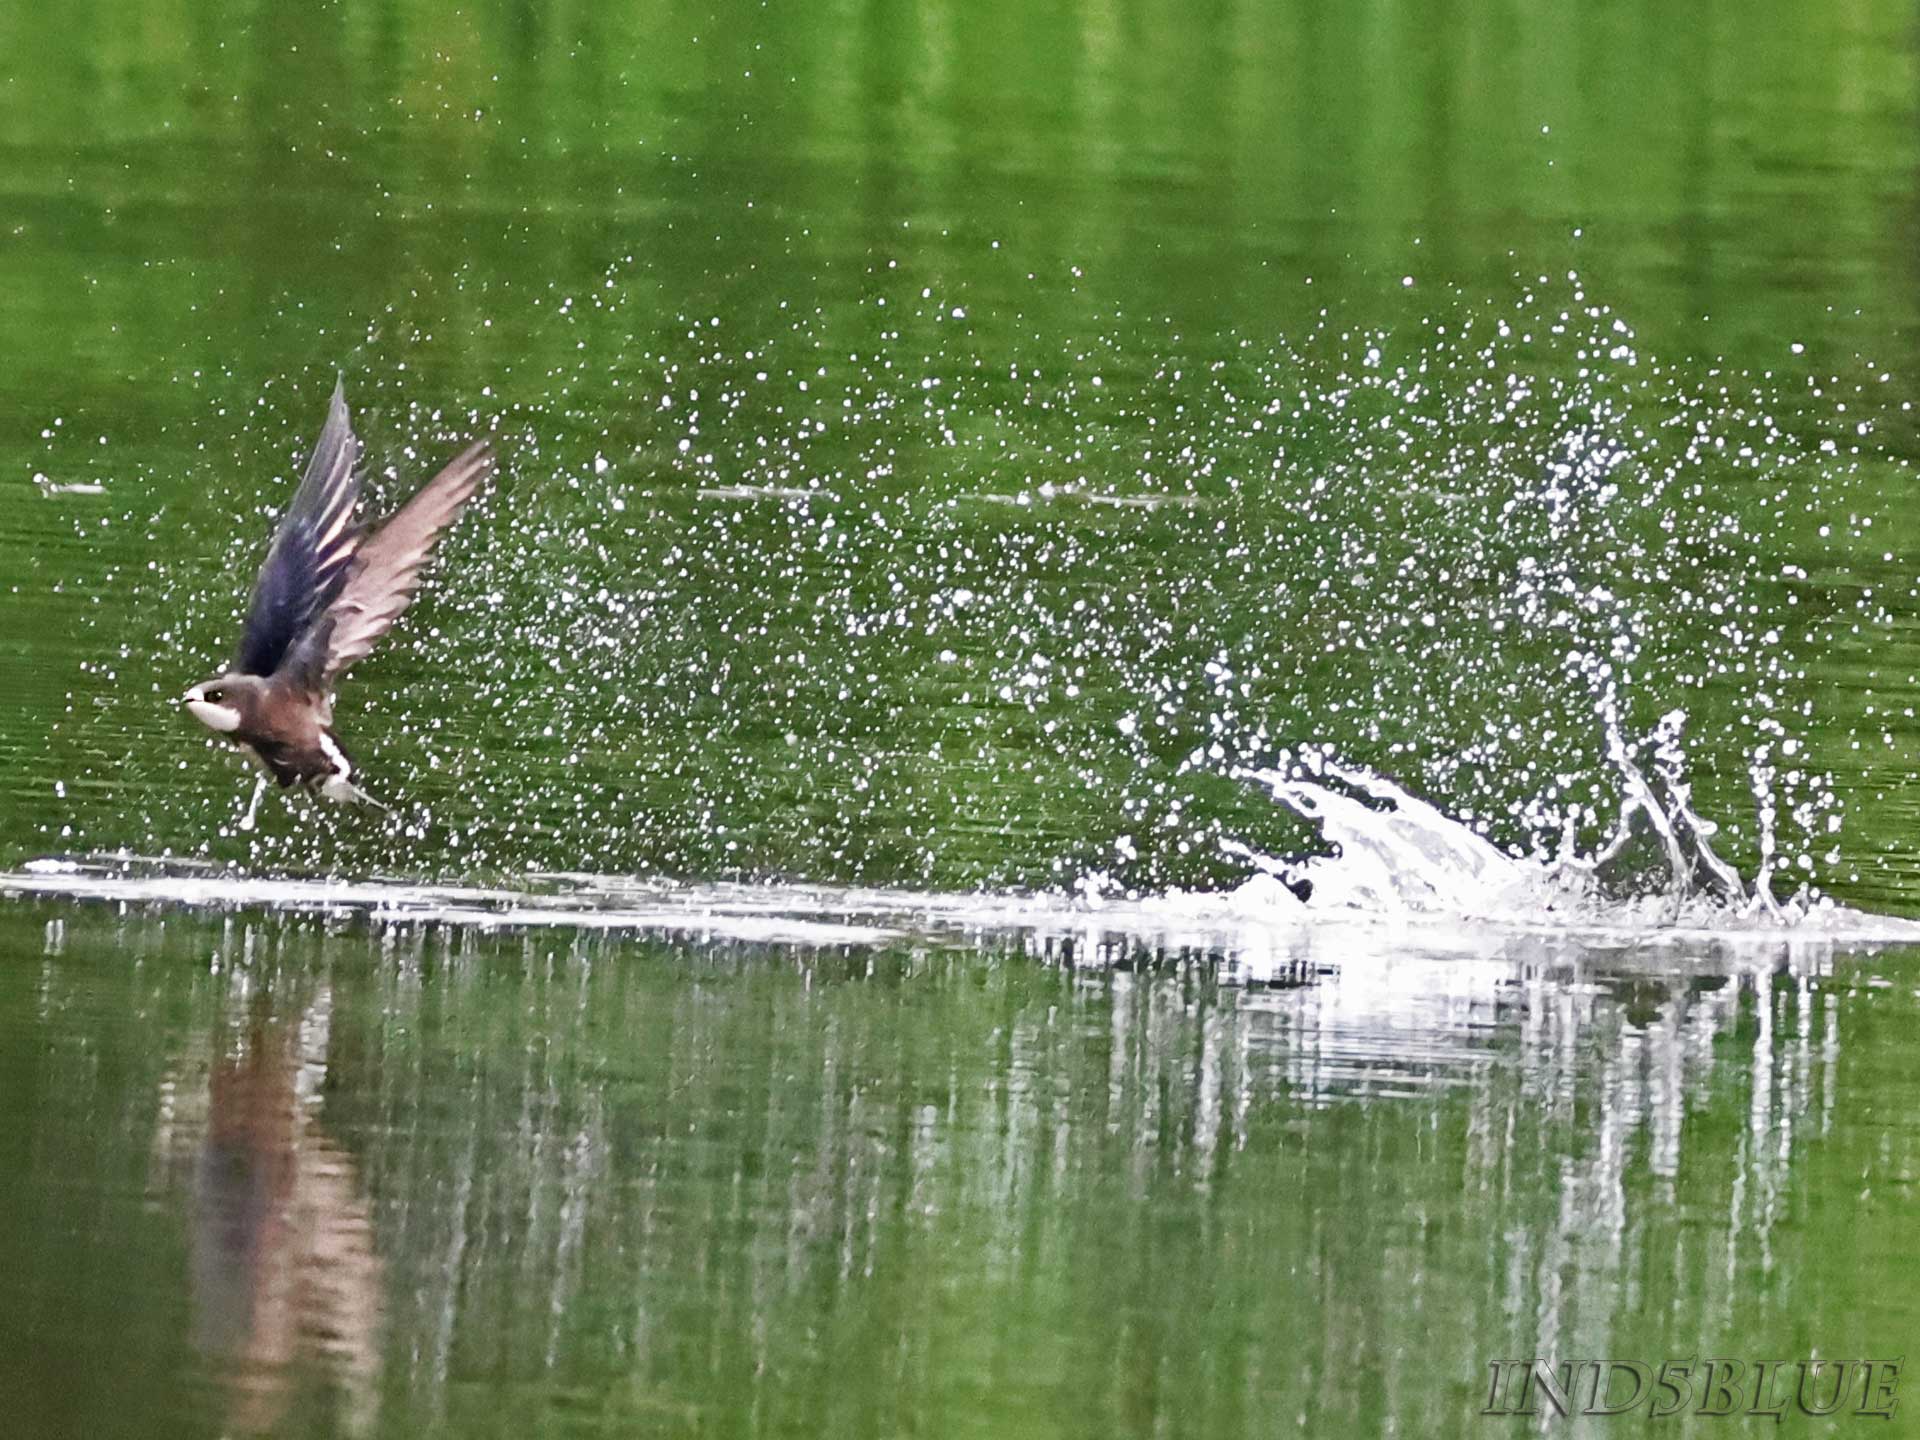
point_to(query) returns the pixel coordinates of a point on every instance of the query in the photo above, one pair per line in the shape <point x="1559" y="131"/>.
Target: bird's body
<point x="280" y="728"/>
<point x="326" y="593"/>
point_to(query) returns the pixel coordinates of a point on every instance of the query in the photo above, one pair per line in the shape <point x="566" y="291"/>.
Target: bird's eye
<point x="214" y="697"/>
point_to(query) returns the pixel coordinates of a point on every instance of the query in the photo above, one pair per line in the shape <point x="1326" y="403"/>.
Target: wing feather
<point x="312" y="551"/>
<point x="386" y="568"/>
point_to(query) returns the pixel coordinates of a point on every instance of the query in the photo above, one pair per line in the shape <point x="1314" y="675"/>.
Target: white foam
<point x="1401" y="882"/>
<point x="1397" y="858"/>
<point x="691" y="911"/>
<point x="1418" y="928"/>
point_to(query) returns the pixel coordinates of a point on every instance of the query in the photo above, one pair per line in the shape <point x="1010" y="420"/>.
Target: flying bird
<point x="327" y="591"/>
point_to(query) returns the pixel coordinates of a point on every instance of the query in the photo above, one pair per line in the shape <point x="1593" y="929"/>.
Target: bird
<point x="328" y="589"/>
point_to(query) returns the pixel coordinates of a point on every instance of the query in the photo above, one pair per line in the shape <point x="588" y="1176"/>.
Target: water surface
<point x="281" y="1175"/>
<point x="944" y="449"/>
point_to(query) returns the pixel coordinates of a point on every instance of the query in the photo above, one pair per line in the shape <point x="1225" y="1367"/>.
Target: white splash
<point x="1405" y="859"/>
<point x="1402" y="884"/>
<point x="1394" y="855"/>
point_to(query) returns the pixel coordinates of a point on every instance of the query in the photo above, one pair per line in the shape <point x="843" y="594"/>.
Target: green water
<point x="940" y="443"/>
<point x="263" y="1177"/>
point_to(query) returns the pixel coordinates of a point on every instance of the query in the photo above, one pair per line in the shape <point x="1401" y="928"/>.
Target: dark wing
<point x="386" y="569"/>
<point x="307" y="564"/>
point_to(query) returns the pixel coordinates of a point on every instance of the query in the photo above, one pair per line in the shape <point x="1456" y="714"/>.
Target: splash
<point x="1393" y="854"/>
<point x="1401" y="877"/>
<point x="910" y="594"/>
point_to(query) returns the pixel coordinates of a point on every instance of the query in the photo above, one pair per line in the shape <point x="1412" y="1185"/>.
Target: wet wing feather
<point x="309" y="561"/>
<point x="386" y="569"/>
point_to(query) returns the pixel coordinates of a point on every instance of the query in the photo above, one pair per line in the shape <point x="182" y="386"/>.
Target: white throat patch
<point x="223" y="718"/>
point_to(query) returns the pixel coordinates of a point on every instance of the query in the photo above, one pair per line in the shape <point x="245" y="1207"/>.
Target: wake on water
<point x="1396" y="870"/>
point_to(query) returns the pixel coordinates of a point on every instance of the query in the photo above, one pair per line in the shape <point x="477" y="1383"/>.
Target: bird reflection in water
<point x="286" y="1282"/>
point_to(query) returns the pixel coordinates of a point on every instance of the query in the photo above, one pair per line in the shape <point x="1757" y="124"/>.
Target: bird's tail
<point x="360" y="797"/>
<point x="343" y="791"/>
<point x="338" y="785"/>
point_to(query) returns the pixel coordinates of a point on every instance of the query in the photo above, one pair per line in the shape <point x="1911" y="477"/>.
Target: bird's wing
<point x="307" y="563"/>
<point x="386" y="569"/>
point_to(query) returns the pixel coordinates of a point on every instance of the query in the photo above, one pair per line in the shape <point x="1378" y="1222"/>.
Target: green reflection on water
<point x="269" y="1175"/>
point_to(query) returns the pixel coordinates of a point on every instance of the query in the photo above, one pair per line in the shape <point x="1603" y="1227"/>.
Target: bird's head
<point x="223" y="703"/>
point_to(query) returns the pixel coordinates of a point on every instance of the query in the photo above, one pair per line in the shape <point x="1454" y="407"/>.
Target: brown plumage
<point x="326" y="593"/>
